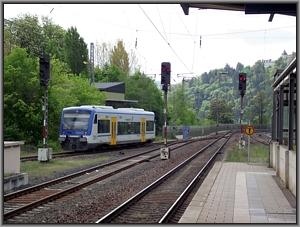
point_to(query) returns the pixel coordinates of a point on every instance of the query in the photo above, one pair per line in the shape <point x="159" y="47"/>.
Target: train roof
<point x="110" y="109"/>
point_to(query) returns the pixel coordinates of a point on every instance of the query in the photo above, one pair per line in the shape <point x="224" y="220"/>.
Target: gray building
<point x="115" y="94"/>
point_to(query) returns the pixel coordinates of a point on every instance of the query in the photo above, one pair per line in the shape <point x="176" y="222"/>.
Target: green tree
<point x="180" y="106"/>
<point x="144" y="90"/>
<point x="25" y="32"/>
<point x="22" y="97"/>
<point x="119" y="57"/>
<point x="220" y="111"/>
<point x="259" y="74"/>
<point x="283" y="60"/>
<point x="205" y="78"/>
<point x="109" y="73"/>
<point x="54" y="39"/>
<point x="76" y="52"/>
<point x="9" y="42"/>
<point x="68" y="90"/>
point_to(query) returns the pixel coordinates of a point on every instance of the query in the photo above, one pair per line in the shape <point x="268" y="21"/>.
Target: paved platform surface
<point x="239" y="193"/>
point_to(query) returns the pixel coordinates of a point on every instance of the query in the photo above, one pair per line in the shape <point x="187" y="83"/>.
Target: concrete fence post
<point x="287" y="164"/>
<point x="277" y="150"/>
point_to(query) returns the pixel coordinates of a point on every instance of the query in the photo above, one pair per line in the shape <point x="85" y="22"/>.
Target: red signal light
<point x="165" y="73"/>
<point x="165" y="68"/>
<point x="242" y="83"/>
<point x="242" y="77"/>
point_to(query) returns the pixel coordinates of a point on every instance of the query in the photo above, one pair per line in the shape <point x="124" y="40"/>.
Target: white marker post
<point x="248" y="148"/>
<point x="249" y="131"/>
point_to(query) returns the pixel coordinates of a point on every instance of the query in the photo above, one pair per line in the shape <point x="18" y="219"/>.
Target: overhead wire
<point x="161" y="22"/>
<point x="164" y="38"/>
<point x="184" y="25"/>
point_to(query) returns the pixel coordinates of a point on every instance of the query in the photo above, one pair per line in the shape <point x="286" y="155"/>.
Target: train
<point x="88" y="127"/>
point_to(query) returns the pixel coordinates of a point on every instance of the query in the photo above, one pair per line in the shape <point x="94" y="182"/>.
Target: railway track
<point x="72" y="153"/>
<point x="24" y="200"/>
<point x="55" y="155"/>
<point x="160" y="200"/>
<point x="262" y="138"/>
<point x="106" y="149"/>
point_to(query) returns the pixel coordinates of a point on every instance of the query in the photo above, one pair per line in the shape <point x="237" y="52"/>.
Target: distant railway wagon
<point x="86" y="127"/>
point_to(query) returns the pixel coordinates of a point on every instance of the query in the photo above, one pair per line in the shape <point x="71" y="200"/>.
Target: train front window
<point x="76" y="121"/>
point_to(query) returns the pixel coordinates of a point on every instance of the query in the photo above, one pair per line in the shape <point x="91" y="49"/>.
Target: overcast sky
<point x="163" y="33"/>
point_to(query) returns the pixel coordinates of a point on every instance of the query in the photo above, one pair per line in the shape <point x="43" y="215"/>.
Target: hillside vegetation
<point x="214" y="96"/>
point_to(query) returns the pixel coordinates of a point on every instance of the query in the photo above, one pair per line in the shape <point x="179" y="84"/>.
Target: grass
<point x="30" y="150"/>
<point x="39" y="169"/>
<point x="258" y="154"/>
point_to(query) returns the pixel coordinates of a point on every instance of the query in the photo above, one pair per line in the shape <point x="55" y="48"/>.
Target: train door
<point x="113" y="140"/>
<point x="143" y="129"/>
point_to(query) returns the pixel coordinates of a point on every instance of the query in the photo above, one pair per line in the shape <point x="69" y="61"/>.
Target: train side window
<point x="103" y="126"/>
<point x="122" y="128"/>
<point x="133" y="128"/>
<point x="95" y="119"/>
<point x="125" y="128"/>
<point x="130" y="128"/>
<point x="136" y="128"/>
<point x="149" y="125"/>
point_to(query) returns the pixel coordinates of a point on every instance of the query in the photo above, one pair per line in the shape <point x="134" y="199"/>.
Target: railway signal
<point x="44" y="70"/>
<point x="242" y="89"/>
<point x="165" y="75"/>
<point x="242" y="83"/>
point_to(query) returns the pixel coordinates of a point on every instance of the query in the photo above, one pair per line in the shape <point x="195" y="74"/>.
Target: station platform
<point x="235" y="192"/>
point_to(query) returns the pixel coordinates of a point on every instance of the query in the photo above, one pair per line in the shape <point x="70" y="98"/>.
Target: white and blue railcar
<point x="86" y="127"/>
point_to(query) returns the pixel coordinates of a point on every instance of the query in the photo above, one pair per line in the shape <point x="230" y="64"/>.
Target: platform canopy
<point x="289" y="9"/>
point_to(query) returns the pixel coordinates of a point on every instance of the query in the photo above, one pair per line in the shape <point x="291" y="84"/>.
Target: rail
<point x="124" y="206"/>
<point x="97" y="178"/>
<point x="189" y="188"/>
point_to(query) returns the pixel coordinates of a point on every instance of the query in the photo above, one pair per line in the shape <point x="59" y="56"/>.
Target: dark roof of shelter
<point x="117" y="87"/>
<point x="249" y="8"/>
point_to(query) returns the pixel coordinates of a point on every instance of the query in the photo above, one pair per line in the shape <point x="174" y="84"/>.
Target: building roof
<point x="117" y="87"/>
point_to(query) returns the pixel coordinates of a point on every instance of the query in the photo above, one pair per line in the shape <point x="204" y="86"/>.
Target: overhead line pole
<point x="92" y="75"/>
